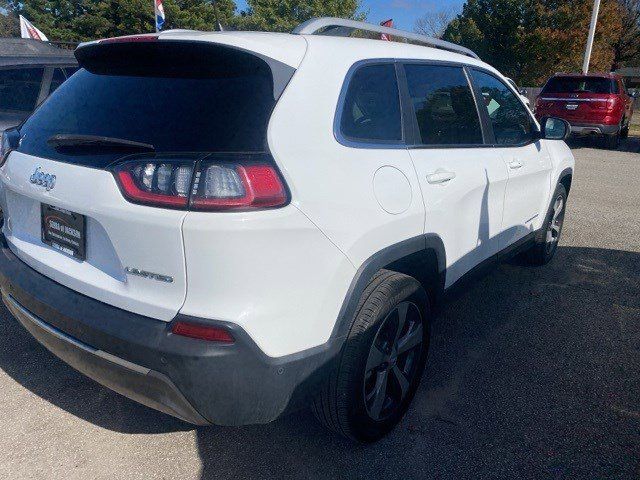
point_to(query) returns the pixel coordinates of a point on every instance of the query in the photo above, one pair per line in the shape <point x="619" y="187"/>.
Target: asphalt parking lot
<point x="533" y="373"/>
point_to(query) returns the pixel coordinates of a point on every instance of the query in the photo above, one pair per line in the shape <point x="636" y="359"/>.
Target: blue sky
<point x="403" y="12"/>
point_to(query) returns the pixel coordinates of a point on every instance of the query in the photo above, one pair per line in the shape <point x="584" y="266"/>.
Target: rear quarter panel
<point x="273" y="273"/>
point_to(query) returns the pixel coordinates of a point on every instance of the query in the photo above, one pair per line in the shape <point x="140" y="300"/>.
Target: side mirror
<point x="523" y="91"/>
<point x="552" y="128"/>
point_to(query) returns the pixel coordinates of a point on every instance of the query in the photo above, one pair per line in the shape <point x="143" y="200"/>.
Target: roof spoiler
<point x="340" y="27"/>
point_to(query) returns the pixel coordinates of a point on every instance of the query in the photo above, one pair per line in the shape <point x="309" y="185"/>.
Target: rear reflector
<point x="202" y="332"/>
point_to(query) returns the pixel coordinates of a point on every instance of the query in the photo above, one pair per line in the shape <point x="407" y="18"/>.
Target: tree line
<point x="81" y="20"/>
<point x="527" y="40"/>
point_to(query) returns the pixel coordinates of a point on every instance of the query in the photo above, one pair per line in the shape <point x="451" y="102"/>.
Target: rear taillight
<point x="156" y="183"/>
<point x="9" y="140"/>
<point x="226" y="186"/>
<point x="214" y="184"/>
<point x="5" y="148"/>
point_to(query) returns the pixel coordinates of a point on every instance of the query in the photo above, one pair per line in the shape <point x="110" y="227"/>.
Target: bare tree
<point x="627" y="47"/>
<point x="433" y="24"/>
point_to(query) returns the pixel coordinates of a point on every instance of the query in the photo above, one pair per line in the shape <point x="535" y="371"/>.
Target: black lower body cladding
<point x="198" y="381"/>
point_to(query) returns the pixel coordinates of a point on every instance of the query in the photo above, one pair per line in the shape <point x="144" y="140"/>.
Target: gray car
<point x="29" y="71"/>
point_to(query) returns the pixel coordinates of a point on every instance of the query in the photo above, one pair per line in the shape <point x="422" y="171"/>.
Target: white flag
<point x="27" y="30"/>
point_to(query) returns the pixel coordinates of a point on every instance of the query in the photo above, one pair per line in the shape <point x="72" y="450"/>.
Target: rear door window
<point x="19" y="89"/>
<point x="371" y="108"/>
<point x="444" y="107"/>
<point x="178" y="97"/>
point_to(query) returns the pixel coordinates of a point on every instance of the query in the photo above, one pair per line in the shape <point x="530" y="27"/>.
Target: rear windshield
<point x="580" y="85"/>
<point x="176" y="96"/>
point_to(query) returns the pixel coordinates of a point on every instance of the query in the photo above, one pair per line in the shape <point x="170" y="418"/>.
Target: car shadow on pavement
<point x="35" y="368"/>
<point x="532" y="373"/>
<point x="631" y="144"/>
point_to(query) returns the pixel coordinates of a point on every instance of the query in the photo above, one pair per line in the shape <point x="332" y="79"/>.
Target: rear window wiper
<point x="87" y="141"/>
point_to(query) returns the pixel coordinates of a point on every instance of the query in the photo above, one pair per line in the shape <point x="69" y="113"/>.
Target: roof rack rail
<point x="340" y="27"/>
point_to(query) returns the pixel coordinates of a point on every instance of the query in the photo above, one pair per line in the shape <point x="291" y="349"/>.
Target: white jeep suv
<point x="229" y="226"/>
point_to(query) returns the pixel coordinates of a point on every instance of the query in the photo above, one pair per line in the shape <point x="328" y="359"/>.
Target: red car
<point x="593" y="104"/>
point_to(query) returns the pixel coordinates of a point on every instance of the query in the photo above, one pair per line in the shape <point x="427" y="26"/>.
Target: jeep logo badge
<point x="43" y="179"/>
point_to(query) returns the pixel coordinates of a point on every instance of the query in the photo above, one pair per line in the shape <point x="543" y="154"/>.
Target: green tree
<point x="530" y="40"/>
<point x="9" y="26"/>
<point x="80" y="20"/>
<point x="558" y="41"/>
<point x="285" y="15"/>
<point x="495" y="29"/>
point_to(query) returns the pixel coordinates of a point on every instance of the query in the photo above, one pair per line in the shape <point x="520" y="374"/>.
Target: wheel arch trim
<point x="566" y="173"/>
<point x="429" y="244"/>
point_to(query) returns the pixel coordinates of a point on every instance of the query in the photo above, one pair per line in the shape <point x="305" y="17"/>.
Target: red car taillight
<point x="612" y="104"/>
<point x="216" y="183"/>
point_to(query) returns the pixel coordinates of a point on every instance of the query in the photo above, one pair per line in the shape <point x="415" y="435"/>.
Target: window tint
<point x="579" y="85"/>
<point x="511" y="121"/>
<point x="19" y="89"/>
<point x="445" y="110"/>
<point x="178" y="98"/>
<point x="371" y="111"/>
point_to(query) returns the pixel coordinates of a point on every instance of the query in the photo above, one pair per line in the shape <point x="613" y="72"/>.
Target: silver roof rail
<point x="340" y="27"/>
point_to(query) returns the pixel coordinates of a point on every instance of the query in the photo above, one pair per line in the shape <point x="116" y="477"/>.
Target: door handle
<point x="515" y="164"/>
<point x="440" y="176"/>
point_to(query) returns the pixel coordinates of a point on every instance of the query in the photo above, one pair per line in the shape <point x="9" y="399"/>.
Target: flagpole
<point x="592" y="33"/>
<point x="155" y="15"/>
<point x="215" y="12"/>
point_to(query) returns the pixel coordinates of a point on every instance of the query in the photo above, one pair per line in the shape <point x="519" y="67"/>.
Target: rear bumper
<point x="597" y="126"/>
<point x="597" y="129"/>
<point x="139" y="357"/>
<point x="134" y="381"/>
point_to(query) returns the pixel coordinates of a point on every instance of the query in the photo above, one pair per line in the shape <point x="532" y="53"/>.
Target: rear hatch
<point x="578" y="99"/>
<point x="158" y="107"/>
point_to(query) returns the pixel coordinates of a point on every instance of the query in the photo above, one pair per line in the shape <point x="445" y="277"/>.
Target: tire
<point x="364" y="398"/>
<point x="546" y="243"/>
<point x="612" y="142"/>
<point x="624" y="132"/>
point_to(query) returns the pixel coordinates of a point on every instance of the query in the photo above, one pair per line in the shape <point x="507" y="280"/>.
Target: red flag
<point x="386" y="23"/>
